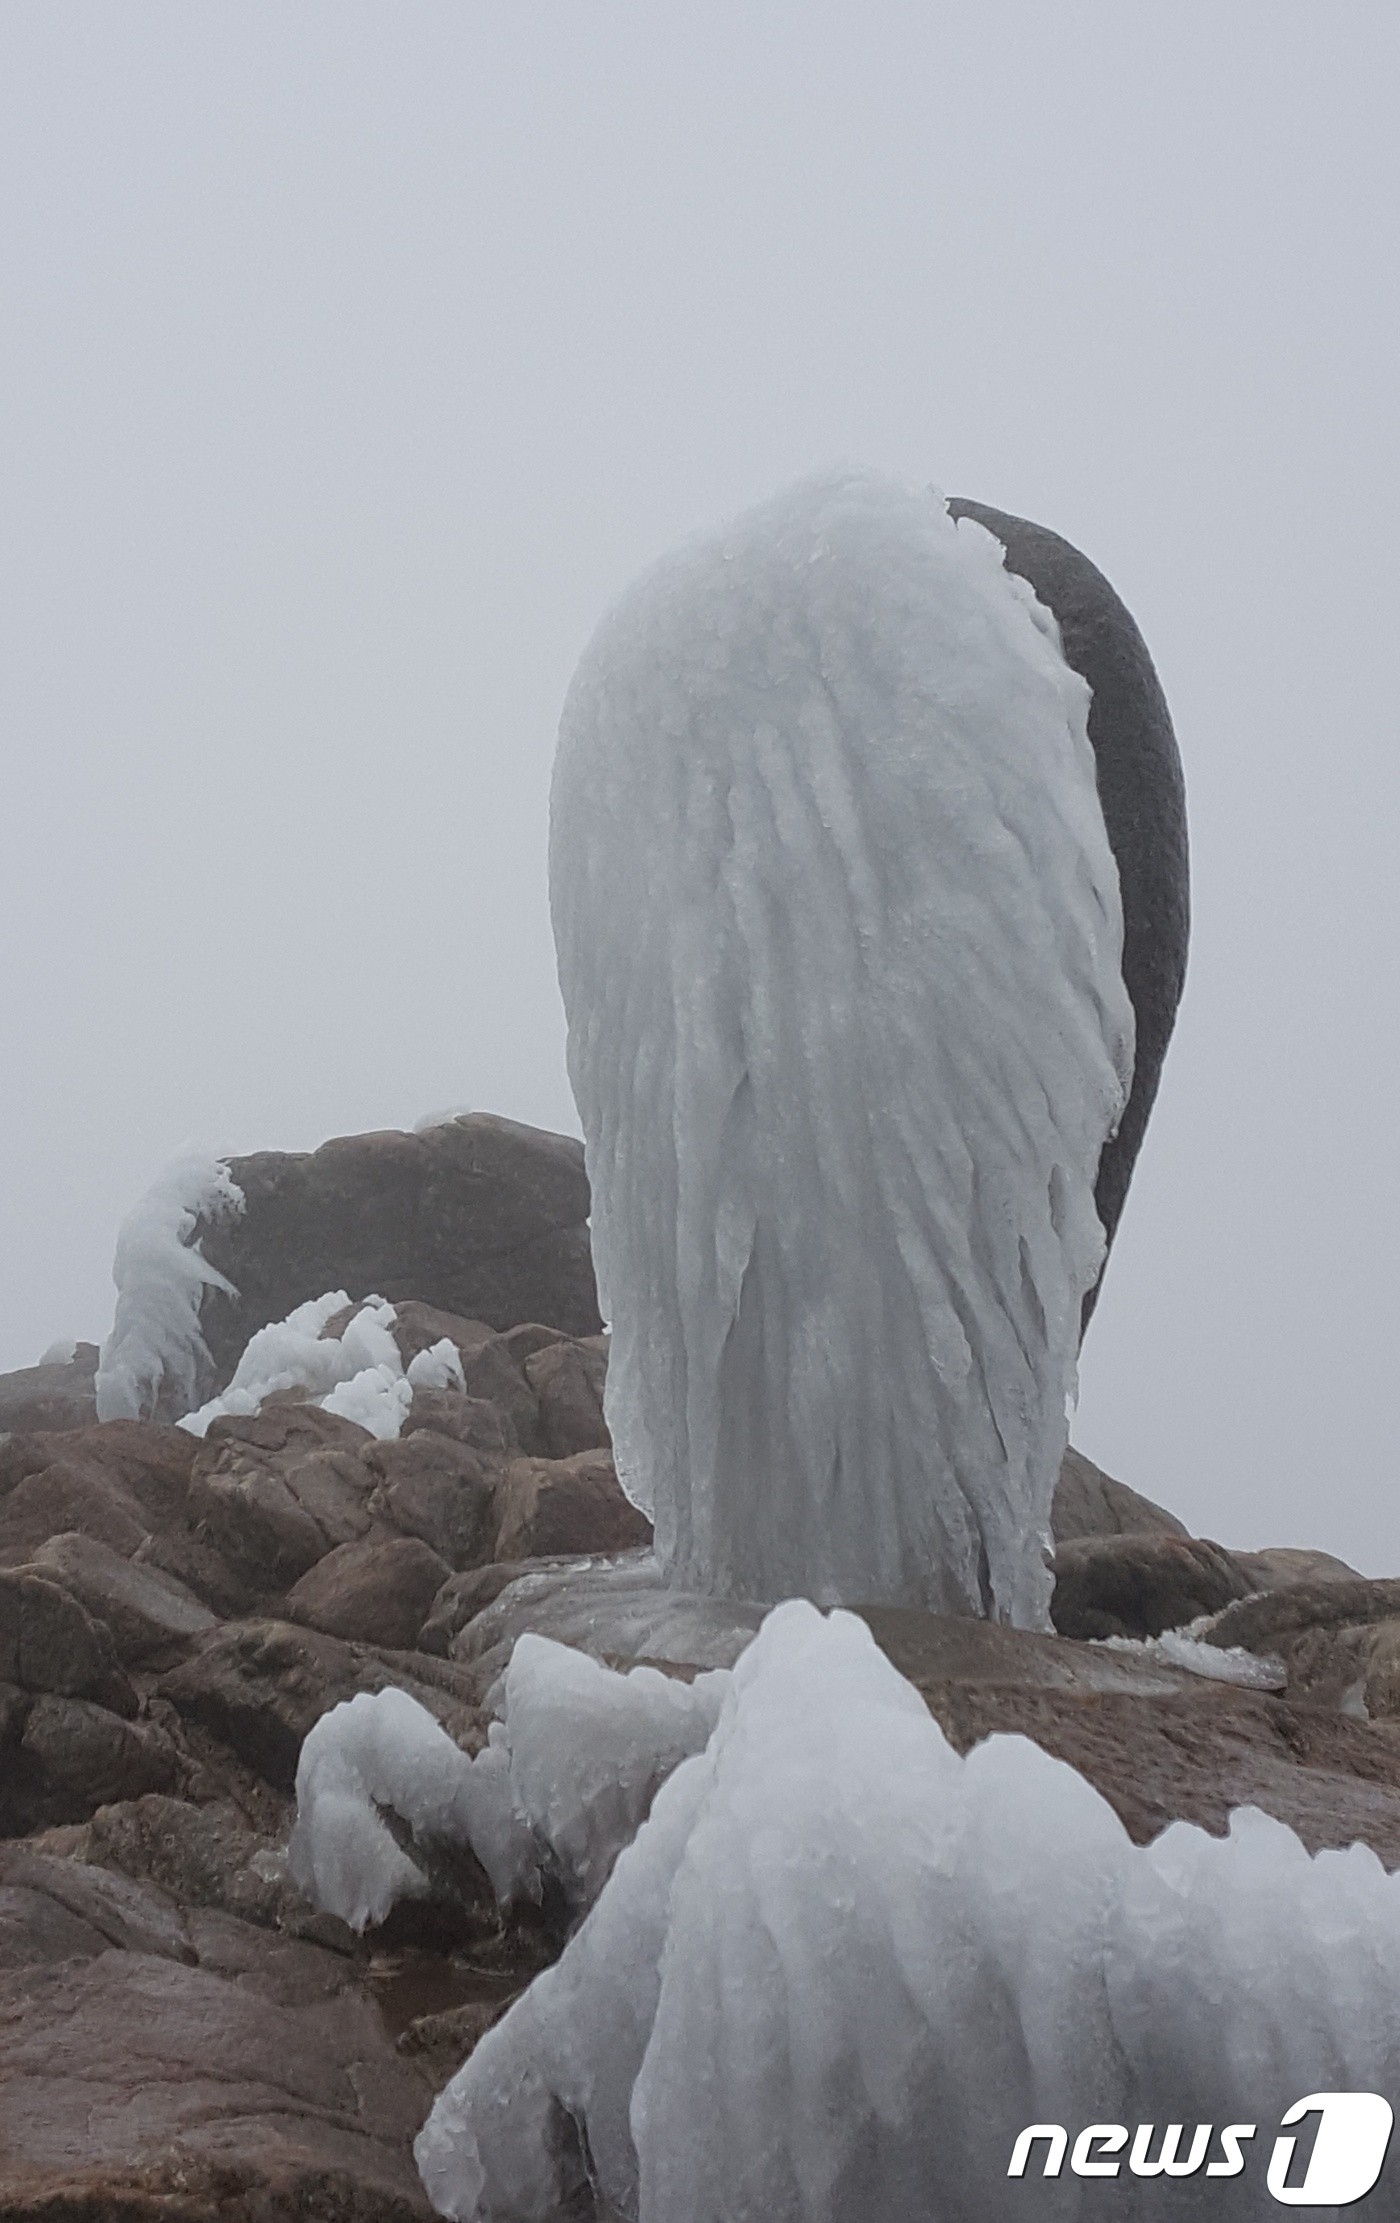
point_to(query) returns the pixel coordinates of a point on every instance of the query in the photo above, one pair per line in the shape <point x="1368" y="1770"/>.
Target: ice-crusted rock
<point x="156" y="1363"/>
<point x="567" y="1775"/>
<point x="1138" y="775"/>
<point x="840" y="945"/>
<point x="838" y="1969"/>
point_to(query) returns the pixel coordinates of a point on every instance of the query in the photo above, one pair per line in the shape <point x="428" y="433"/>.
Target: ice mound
<point x="840" y="940"/>
<point x="155" y="1354"/>
<point x="359" y="1374"/>
<point x="563" y="1784"/>
<point x="840" y="1969"/>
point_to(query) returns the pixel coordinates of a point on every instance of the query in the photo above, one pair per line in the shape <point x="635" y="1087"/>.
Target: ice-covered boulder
<point x="1138" y="774"/>
<point x="840" y="942"/>
<point x="840" y="1969"/>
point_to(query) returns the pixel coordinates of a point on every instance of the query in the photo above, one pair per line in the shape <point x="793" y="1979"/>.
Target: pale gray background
<point x="355" y="356"/>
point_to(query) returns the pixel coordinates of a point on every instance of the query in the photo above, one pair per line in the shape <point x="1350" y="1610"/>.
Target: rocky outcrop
<point x="478" y="1217"/>
<point x="57" y="1393"/>
<point x="548" y="1506"/>
<point x="1139" y="1584"/>
<point x="158" y="2062"/>
<point x="1089" y="1502"/>
<point x="182" y="2037"/>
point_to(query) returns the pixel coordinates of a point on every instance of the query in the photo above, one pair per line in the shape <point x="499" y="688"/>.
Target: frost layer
<point x="155" y="1354"/>
<point x="841" y="1968"/>
<point x="359" y="1374"/>
<point x="840" y="940"/>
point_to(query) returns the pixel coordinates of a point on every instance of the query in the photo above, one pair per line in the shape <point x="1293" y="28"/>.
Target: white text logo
<point x="1353" y="2133"/>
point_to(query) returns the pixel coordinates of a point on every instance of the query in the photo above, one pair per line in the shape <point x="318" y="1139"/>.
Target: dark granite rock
<point x="479" y="1218"/>
<point x="1139" y="1584"/>
<point x="1144" y="807"/>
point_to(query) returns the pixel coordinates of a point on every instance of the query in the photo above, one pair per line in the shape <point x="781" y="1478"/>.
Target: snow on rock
<point x="840" y="940"/>
<point x="155" y="1357"/>
<point x="359" y="1374"/>
<point x="438" y="1367"/>
<point x="563" y="1784"/>
<point x="840" y="1968"/>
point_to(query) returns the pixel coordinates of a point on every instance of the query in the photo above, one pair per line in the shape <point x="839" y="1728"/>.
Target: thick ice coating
<point x="563" y="1784"/>
<point x="841" y="1969"/>
<point x="155" y="1357"/>
<point x="840" y="942"/>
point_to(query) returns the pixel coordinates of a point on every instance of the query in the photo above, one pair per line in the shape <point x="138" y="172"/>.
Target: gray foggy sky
<point x="355" y="356"/>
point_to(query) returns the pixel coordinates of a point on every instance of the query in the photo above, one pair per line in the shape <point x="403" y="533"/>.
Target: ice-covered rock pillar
<point x="840" y="943"/>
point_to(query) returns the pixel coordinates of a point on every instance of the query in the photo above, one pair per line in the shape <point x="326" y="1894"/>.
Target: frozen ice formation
<point x="840" y="941"/>
<point x="358" y="1374"/>
<point x="156" y="1357"/>
<point x="563" y="1783"/>
<point x="840" y="1969"/>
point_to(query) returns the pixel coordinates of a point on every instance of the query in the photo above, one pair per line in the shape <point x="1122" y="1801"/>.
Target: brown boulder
<point x="146" y="1612"/>
<point x="1089" y="1502"/>
<point x="58" y="1910"/>
<point x="465" y="1595"/>
<point x="479" y="1217"/>
<point x="530" y="1336"/>
<point x="116" y="1481"/>
<point x="273" y="1492"/>
<point x="55" y="1394"/>
<point x="49" y="1642"/>
<point x="134" y="2086"/>
<point x="567" y="1379"/>
<point x="551" y="1507"/>
<point x="375" y="1592"/>
<point x="259" y="1685"/>
<point x="1280" y="1566"/>
<point x="206" y="1856"/>
<point x="74" y="1756"/>
<point x="474" y="1421"/>
<point x="436" y="1489"/>
<point x="1137" y="1585"/>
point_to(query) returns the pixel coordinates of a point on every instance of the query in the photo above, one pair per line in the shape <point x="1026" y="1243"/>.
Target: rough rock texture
<point x="1139" y="1584"/>
<point x="259" y="1685"/>
<point x="1089" y="1502"/>
<point x="478" y="1217"/>
<point x="118" y="1481"/>
<point x="377" y="1592"/>
<point x="1143" y="798"/>
<point x="567" y="1379"/>
<point x="275" y="1491"/>
<point x="51" y="1396"/>
<point x="213" y="2073"/>
<point x="147" y="1613"/>
<point x="566" y="1505"/>
<point x="437" y="1489"/>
